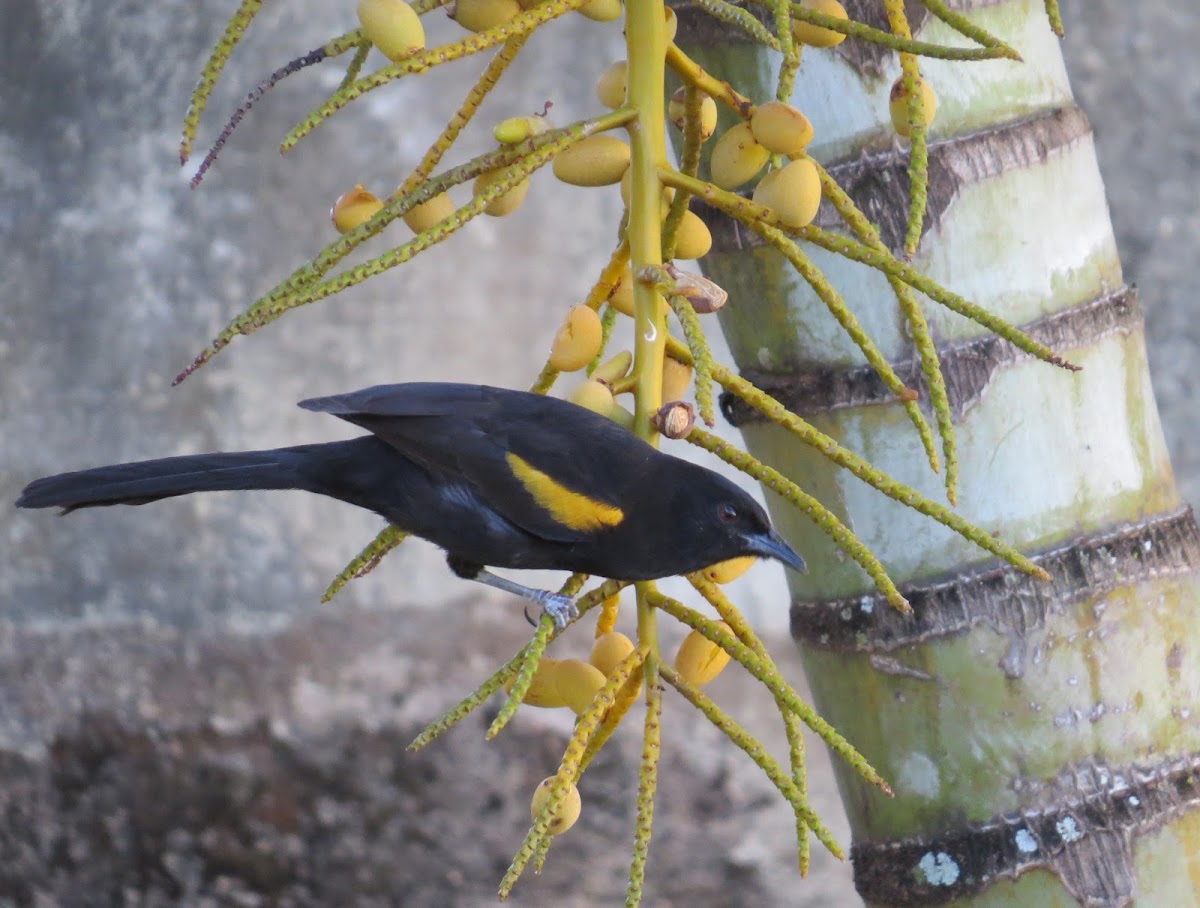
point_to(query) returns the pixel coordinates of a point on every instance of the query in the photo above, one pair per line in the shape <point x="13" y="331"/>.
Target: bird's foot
<point x="559" y="607"/>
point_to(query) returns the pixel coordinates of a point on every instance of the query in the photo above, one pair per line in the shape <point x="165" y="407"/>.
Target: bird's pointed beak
<point x="771" y="545"/>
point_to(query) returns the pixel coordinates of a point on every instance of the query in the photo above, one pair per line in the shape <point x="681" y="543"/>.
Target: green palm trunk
<point x="1041" y="738"/>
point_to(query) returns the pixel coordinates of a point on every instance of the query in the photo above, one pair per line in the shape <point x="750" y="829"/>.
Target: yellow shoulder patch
<point x="571" y="509"/>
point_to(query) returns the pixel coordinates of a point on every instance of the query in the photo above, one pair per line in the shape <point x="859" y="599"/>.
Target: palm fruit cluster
<point x="574" y="683"/>
<point x="790" y="190"/>
<point x="395" y="29"/>
<point x="577" y="343"/>
<point x="793" y="191"/>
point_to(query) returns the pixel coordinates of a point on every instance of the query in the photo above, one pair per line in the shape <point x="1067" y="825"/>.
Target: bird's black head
<point x="716" y="521"/>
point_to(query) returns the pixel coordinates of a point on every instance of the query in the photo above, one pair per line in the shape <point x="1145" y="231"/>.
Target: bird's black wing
<point x="409" y="399"/>
<point x="553" y="469"/>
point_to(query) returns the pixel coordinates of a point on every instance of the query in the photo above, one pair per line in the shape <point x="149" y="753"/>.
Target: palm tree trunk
<point x="1025" y="726"/>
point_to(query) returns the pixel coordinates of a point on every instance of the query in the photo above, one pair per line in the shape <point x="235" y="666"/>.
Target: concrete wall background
<point x="121" y="628"/>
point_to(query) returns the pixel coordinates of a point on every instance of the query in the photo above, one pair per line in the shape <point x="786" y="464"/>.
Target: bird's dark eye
<point x="727" y="513"/>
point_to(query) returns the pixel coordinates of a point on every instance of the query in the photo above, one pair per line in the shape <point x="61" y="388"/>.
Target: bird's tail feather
<point x="151" y="480"/>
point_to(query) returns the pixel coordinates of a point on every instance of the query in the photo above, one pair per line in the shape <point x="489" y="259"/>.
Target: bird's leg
<point x="559" y="607"/>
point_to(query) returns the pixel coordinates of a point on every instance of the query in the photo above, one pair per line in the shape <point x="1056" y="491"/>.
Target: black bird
<point x="495" y="477"/>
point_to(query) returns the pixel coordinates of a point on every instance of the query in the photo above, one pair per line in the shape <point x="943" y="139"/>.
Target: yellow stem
<point x="693" y="74"/>
<point x="646" y="46"/>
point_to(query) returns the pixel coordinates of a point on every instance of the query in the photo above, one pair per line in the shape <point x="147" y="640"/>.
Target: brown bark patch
<point x="868" y="59"/>
<point x="1081" y="826"/>
<point x="1006" y="599"/>
<point x="968" y="367"/>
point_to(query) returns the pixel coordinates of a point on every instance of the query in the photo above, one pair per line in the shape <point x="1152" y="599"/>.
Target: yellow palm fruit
<point x="609" y="650"/>
<point x="577" y="341"/>
<point x="621" y="298"/>
<point x="699" y="660"/>
<point x="506" y="202"/>
<point x="602" y="10"/>
<point x="677" y="113"/>
<point x="672" y="23"/>
<point x="737" y="157"/>
<point x="426" y="215"/>
<point x="578" y="682"/>
<point x="898" y="105"/>
<point x="599" y="160"/>
<point x="518" y="129"/>
<point x="693" y="239"/>
<point x="480" y="15"/>
<point x="593" y="395"/>
<point x="668" y="193"/>
<point x="354" y="207"/>
<point x="542" y="689"/>
<point x="814" y="35"/>
<point x="676" y="380"/>
<point x="792" y="192"/>
<point x="392" y="26"/>
<point x="781" y="128"/>
<point x="568" y="811"/>
<point x="614" y="368"/>
<point x="732" y="569"/>
<point x="610" y="87"/>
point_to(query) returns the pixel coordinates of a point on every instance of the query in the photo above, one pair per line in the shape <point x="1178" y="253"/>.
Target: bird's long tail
<point x="302" y="467"/>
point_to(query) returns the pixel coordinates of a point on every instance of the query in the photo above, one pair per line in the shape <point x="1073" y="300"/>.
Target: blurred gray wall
<point x="188" y="633"/>
<point x="1138" y="80"/>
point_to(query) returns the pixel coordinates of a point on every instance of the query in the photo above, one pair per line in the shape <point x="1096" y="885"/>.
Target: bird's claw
<point x="559" y="607"/>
